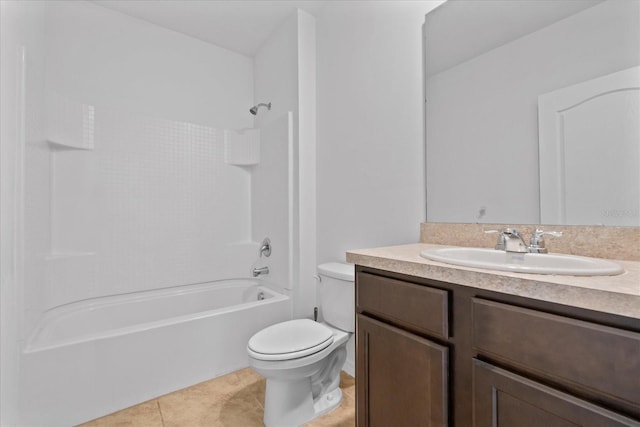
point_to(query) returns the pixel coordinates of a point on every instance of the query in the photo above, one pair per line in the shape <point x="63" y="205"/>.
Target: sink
<point x="570" y="265"/>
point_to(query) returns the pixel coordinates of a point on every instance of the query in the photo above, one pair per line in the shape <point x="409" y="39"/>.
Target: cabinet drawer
<point x="595" y="356"/>
<point x="502" y="398"/>
<point x="421" y="308"/>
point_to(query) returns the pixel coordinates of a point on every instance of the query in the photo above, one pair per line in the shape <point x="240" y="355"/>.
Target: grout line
<point x="160" y="410"/>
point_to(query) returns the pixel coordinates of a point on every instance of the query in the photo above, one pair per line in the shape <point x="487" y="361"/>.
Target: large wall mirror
<point x="532" y="112"/>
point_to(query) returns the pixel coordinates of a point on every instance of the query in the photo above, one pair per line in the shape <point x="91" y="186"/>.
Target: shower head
<point x="254" y="110"/>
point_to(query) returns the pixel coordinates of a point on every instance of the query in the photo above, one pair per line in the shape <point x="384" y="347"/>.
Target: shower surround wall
<point x="24" y="160"/>
<point x="122" y="184"/>
<point x="284" y="74"/>
<point x="146" y="201"/>
<point x="125" y="182"/>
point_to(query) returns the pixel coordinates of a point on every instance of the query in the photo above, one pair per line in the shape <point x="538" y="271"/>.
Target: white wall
<point x="272" y="201"/>
<point x="370" y="125"/>
<point x="151" y="203"/>
<point x="115" y="61"/>
<point x="495" y="96"/>
<point x="21" y="122"/>
<point x="305" y="297"/>
<point x="285" y="76"/>
<point x="370" y="134"/>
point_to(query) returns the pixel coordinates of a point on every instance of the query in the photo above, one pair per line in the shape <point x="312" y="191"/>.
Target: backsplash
<point x="622" y="243"/>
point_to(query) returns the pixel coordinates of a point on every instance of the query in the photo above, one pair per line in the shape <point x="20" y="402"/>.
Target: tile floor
<point x="233" y="400"/>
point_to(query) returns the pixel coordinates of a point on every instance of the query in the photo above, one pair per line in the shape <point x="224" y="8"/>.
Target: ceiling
<point x="238" y="25"/>
<point x="462" y="29"/>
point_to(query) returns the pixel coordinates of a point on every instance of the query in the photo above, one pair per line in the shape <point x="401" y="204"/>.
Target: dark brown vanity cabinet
<point x="437" y="354"/>
<point x="403" y="376"/>
<point x="503" y="399"/>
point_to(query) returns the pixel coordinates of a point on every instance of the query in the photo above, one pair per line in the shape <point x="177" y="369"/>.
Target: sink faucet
<point x="537" y="245"/>
<point x="510" y="240"/>
<point x="513" y="241"/>
<point x="258" y="271"/>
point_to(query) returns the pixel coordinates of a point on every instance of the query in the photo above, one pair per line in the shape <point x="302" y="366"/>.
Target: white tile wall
<point x="272" y="199"/>
<point x="152" y="205"/>
<point x="242" y="147"/>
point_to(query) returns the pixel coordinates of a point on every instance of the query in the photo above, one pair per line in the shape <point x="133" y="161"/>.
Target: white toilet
<point x="302" y="359"/>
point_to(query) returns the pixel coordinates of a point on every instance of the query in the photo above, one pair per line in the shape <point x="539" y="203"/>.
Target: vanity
<point x="518" y="103"/>
<point x="446" y="345"/>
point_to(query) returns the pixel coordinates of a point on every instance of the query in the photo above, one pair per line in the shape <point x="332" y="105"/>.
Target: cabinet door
<point x="504" y="399"/>
<point x="401" y="378"/>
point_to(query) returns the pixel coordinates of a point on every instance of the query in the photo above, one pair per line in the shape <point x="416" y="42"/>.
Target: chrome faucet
<point x="258" y="271"/>
<point x="513" y="241"/>
<point x="265" y="249"/>
<point x="537" y="245"/>
<point x="510" y="240"/>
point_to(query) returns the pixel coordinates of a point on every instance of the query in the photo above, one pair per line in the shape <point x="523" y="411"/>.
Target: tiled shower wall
<point x="148" y="201"/>
<point x="152" y="205"/>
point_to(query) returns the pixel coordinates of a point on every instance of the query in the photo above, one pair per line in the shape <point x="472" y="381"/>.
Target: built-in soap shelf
<point x="242" y="147"/>
<point x="69" y="124"/>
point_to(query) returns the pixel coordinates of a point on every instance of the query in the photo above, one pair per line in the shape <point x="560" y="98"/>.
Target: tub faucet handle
<point x="266" y="247"/>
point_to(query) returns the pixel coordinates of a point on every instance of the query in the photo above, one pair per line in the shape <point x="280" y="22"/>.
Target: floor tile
<point x="228" y="401"/>
<point x="233" y="400"/>
<point x="143" y="415"/>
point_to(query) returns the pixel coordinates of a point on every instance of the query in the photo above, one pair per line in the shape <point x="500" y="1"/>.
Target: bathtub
<point x="93" y="357"/>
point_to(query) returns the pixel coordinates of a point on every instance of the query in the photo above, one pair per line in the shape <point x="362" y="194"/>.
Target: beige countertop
<point x="609" y="294"/>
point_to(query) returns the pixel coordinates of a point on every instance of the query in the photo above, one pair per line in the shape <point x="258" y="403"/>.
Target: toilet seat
<point x="290" y="340"/>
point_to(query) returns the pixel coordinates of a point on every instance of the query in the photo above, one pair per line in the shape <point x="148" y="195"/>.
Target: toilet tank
<point x="337" y="294"/>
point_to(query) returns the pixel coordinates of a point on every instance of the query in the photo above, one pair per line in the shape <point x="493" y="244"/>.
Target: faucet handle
<point x="506" y="231"/>
<point x="540" y="232"/>
<point x="265" y="248"/>
<point x="500" y="243"/>
<point x="537" y="244"/>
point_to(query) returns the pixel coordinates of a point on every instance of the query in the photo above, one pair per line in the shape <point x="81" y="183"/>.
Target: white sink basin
<point x="569" y="265"/>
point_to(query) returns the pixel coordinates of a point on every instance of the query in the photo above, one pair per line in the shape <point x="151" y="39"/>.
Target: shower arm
<point x="254" y="110"/>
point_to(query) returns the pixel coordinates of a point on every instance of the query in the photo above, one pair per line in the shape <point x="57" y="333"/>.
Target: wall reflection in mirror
<point x="532" y="112"/>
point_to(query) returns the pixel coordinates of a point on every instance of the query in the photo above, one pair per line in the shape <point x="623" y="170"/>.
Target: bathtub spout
<point x="258" y="271"/>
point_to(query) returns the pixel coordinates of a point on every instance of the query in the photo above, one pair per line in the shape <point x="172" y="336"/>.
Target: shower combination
<point x="254" y="110"/>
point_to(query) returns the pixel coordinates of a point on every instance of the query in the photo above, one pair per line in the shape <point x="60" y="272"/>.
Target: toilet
<point x="302" y="359"/>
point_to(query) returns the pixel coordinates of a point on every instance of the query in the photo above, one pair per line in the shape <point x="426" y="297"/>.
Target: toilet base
<point x="290" y="404"/>
<point x="328" y="402"/>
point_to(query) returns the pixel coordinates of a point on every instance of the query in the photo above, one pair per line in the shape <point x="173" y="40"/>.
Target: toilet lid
<point x="290" y="340"/>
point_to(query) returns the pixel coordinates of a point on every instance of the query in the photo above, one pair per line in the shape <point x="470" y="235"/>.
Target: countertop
<point x="618" y="295"/>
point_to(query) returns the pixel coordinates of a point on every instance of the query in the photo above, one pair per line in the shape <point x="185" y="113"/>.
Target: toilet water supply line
<point x="315" y="309"/>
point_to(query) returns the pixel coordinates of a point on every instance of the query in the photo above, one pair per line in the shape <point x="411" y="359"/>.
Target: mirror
<point x="494" y="71"/>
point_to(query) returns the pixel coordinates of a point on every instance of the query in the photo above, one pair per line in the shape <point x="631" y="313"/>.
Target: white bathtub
<point x="93" y="357"/>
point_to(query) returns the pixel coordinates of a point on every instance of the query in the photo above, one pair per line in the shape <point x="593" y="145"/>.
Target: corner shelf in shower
<point x="58" y="145"/>
<point x="242" y="147"/>
<point x="70" y="124"/>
